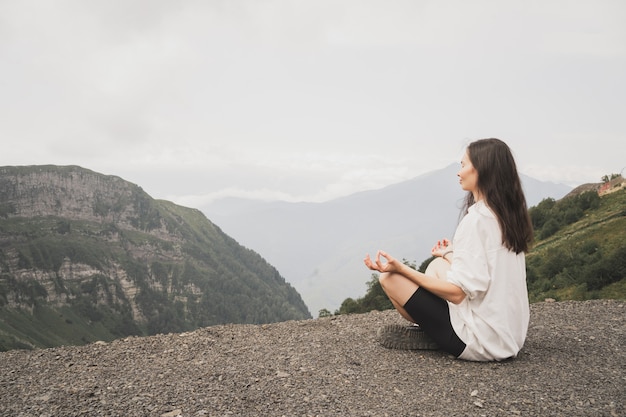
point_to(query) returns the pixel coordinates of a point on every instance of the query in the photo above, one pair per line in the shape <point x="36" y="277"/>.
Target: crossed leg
<point x="400" y="289"/>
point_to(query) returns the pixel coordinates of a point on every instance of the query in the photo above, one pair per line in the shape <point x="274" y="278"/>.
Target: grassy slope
<point x="48" y="327"/>
<point x="605" y="226"/>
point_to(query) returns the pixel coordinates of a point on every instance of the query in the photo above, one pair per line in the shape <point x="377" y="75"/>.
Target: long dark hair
<point x="500" y="186"/>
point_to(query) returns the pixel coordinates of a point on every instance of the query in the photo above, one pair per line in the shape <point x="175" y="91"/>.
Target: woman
<point x="472" y="299"/>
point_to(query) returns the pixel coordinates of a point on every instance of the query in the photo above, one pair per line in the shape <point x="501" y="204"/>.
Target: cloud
<point x="306" y="99"/>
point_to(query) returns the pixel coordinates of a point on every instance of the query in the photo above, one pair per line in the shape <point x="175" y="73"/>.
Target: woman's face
<point x="468" y="176"/>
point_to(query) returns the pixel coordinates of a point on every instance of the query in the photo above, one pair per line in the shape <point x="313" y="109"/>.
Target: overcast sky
<point x="309" y="100"/>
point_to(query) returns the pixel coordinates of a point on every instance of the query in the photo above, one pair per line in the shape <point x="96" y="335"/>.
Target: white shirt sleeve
<point x="469" y="268"/>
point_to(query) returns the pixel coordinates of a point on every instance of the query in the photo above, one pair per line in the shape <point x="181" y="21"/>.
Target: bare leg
<point x="400" y="289"/>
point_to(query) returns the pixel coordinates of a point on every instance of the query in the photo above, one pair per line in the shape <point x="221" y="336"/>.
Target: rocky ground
<point x="573" y="364"/>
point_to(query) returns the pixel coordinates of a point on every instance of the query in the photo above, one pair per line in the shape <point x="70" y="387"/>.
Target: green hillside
<point x="585" y="259"/>
<point x="87" y="257"/>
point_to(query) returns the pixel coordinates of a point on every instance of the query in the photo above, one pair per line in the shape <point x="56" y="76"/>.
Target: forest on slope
<point x="87" y="257"/>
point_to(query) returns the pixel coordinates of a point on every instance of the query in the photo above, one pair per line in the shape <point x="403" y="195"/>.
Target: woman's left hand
<point x="441" y="247"/>
<point x="392" y="265"/>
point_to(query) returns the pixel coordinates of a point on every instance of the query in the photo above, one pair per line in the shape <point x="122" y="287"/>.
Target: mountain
<point x="319" y="247"/>
<point x="85" y="256"/>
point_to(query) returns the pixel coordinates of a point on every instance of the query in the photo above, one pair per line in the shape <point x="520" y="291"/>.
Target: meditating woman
<point x="472" y="300"/>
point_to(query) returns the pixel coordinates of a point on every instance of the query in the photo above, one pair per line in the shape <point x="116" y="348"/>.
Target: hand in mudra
<point x="441" y="247"/>
<point x="390" y="265"/>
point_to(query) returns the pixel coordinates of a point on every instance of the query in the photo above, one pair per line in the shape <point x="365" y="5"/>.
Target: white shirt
<point x="493" y="318"/>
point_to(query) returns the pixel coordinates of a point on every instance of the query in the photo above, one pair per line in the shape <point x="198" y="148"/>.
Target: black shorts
<point x="433" y="315"/>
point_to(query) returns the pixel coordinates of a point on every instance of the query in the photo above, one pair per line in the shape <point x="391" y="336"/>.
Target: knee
<point x="438" y="268"/>
<point x="382" y="277"/>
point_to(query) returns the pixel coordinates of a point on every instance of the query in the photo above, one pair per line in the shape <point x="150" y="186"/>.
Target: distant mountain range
<point x="319" y="247"/>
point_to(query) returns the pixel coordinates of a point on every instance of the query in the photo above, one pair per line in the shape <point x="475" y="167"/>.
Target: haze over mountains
<point x="319" y="247"/>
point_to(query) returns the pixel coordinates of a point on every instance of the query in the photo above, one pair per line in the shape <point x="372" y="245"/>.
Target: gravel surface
<point x="573" y="364"/>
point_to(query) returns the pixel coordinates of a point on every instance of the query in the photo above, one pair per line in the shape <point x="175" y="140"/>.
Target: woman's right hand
<point x="390" y="264"/>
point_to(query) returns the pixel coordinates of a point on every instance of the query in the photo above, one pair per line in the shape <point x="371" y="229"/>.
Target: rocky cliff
<point x="85" y="256"/>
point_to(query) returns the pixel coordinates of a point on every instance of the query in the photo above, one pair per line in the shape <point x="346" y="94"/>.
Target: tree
<point x="607" y="178"/>
<point x="350" y="305"/>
